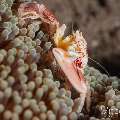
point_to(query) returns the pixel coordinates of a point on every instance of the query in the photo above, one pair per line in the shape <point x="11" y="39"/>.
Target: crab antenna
<point x="100" y="66"/>
<point x="72" y="28"/>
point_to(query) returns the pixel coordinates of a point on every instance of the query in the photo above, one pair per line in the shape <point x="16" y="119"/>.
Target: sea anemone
<point x="29" y="87"/>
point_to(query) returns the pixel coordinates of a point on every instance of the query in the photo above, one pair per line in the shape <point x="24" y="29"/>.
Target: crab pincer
<point x="75" y="78"/>
<point x="38" y="11"/>
<point x="34" y="10"/>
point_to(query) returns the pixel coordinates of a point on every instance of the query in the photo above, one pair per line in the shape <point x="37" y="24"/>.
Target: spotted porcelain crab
<point x="70" y="52"/>
<point x="71" y="55"/>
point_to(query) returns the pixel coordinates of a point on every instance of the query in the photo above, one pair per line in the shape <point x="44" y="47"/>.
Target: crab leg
<point x="75" y="78"/>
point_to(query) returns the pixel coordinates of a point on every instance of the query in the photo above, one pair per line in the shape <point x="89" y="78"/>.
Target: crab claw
<point x="34" y="11"/>
<point x="28" y="10"/>
<point x="74" y="77"/>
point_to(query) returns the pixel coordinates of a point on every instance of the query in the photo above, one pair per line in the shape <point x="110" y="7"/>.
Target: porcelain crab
<point x="70" y="52"/>
<point x="71" y="55"/>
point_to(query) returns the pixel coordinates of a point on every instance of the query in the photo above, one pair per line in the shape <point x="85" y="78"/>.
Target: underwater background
<point x="32" y="86"/>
